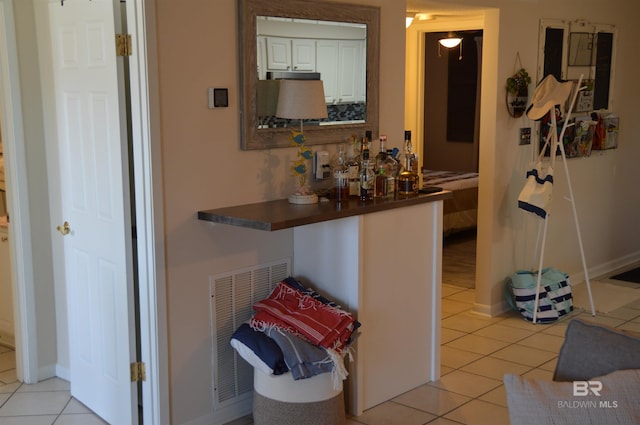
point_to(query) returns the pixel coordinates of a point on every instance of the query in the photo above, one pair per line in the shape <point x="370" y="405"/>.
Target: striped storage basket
<point x="555" y="298"/>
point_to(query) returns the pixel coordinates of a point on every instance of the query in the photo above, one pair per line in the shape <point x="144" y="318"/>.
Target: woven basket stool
<point x="279" y="400"/>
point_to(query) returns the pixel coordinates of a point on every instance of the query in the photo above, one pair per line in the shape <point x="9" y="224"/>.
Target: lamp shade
<point x="267" y="98"/>
<point x="301" y="99"/>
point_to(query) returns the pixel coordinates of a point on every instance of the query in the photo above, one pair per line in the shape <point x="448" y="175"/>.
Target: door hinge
<point x="123" y="45"/>
<point x="138" y="372"/>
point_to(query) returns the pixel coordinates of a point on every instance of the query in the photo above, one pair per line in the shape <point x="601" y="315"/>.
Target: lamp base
<point x="297" y="198"/>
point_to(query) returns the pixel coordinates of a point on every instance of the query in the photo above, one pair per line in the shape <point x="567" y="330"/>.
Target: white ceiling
<point x="441" y="9"/>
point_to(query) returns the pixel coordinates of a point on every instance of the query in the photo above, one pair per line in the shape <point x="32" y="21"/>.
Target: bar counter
<point x="280" y="214"/>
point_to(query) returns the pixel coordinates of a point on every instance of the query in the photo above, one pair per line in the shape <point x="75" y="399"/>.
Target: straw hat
<point x="549" y="93"/>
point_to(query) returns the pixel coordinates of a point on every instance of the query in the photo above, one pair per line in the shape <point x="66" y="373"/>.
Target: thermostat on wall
<point x="218" y="98"/>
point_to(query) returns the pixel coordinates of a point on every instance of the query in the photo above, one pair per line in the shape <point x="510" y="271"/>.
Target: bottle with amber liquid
<point x="408" y="183"/>
<point x="366" y="141"/>
<point x="412" y="158"/>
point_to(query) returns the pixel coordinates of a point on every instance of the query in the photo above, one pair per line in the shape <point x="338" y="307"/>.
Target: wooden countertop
<point x="280" y="214"/>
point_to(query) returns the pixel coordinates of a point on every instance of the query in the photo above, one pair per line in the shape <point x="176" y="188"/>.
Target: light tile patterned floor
<point x="45" y="403"/>
<point x="476" y="353"/>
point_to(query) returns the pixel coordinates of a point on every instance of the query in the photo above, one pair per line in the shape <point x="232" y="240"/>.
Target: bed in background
<point x="461" y="211"/>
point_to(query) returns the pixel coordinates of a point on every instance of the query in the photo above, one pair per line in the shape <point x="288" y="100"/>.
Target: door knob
<point x="65" y="229"/>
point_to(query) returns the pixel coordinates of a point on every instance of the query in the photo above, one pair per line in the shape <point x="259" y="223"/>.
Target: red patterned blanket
<point x="321" y="324"/>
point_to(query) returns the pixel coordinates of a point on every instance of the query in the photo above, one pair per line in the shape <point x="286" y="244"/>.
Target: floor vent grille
<point x="232" y="296"/>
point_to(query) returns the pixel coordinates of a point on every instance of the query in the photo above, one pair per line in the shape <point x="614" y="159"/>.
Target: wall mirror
<point x="335" y="42"/>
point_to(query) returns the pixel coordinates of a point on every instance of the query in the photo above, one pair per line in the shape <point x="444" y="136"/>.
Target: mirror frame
<point x="265" y="138"/>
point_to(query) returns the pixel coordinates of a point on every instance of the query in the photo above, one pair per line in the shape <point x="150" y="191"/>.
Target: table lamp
<point x="301" y="99"/>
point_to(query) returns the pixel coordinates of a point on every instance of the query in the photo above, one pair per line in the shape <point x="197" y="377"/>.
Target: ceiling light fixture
<point x="450" y="41"/>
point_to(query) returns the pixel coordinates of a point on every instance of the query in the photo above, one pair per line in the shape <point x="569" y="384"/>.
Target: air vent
<point x="232" y="297"/>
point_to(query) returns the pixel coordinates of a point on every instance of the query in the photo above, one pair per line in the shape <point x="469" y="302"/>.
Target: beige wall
<point x="603" y="197"/>
<point x="48" y="351"/>
<point x="204" y="166"/>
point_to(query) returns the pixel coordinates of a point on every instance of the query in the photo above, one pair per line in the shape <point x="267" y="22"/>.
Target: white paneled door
<point x="95" y="205"/>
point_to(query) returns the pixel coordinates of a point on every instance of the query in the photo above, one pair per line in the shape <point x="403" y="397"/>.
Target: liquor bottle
<point x="381" y="188"/>
<point x="367" y="177"/>
<point x="406" y="183"/>
<point x="391" y="170"/>
<point x="382" y="152"/>
<point x="353" y="166"/>
<point x="366" y="141"/>
<point x="408" y="178"/>
<point x="341" y="176"/>
<point x="413" y="158"/>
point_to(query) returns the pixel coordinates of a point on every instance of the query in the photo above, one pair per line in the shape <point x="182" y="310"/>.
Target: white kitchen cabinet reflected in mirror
<point x="334" y="52"/>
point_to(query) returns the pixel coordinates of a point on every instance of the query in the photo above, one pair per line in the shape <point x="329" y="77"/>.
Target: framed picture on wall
<point x="584" y="100"/>
<point x="584" y="129"/>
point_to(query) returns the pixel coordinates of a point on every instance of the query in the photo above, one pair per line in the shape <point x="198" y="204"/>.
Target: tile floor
<point x="45" y="403"/>
<point x="476" y="353"/>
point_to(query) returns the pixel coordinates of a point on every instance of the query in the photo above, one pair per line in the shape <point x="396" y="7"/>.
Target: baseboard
<point x="7" y="339"/>
<point x="490" y="310"/>
<point x="62" y="373"/>
<point x="48" y="371"/>
<point x="609" y="267"/>
<point x="225" y="415"/>
<point x="595" y="272"/>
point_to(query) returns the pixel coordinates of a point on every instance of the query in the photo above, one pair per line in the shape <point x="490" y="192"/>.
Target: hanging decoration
<point x="518" y="90"/>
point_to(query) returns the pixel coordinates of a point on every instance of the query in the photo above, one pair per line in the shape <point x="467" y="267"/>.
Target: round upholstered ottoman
<point x="279" y="400"/>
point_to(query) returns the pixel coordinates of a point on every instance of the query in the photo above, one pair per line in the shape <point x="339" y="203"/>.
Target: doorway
<point x="451" y="120"/>
<point x="444" y="20"/>
<point x="44" y="354"/>
<point x="18" y="253"/>
<point x="7" y="327"/>
<point x="451" y="142"/>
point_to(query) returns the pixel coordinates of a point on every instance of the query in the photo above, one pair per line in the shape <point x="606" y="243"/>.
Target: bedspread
<point x="450" y="180"/>
<point x="460" y="212"/>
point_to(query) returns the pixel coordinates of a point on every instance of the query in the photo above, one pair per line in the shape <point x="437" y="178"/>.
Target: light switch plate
<point x="321" y="167"/>
<point x="525" y="136"/>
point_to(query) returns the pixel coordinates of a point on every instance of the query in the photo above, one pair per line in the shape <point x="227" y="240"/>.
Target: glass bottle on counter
<point x="353" y="166"/>
<point x="391" y="170"/>
<point x="380" y="189"/>
<point x="408" y="177"/>
<point x="366" y="141"/>
<point x="382" y="152"/>
<point x="341" y="176"/>
<point x="367" y="177"/>
<point x="412" y="158"/>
